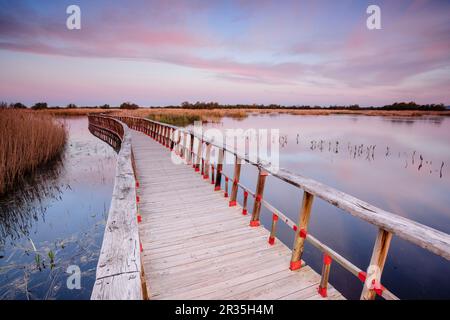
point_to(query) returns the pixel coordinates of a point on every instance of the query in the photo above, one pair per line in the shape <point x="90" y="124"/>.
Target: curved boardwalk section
<point x="197" y="247"/>
<point x="119" y="270"/>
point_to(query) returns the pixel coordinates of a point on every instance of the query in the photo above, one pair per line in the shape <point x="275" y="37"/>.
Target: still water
<point x="398" y="164"/>
<point x="57" y="221"/>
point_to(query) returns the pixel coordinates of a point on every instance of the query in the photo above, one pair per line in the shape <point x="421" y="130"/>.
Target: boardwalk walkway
<point x="197" y="247"/>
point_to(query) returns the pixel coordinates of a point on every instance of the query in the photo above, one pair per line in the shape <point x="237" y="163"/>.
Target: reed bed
<point x="28" y="140"/>
<point x="184" y="117"/>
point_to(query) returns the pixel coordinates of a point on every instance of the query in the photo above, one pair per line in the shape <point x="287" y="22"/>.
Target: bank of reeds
<point x="183" y="117"/>
<point x="28" y="141"/>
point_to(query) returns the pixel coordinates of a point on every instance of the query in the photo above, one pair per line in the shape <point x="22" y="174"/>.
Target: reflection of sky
<point x="75" y="218"/>
<point x="159" y="52"/>
<point x="384" y="182"/>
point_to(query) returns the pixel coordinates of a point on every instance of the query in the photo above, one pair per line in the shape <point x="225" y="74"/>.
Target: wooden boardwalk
<point x="197" y="247"/>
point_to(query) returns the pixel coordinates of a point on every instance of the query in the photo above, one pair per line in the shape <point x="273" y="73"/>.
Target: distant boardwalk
<point x="178" y="233"/>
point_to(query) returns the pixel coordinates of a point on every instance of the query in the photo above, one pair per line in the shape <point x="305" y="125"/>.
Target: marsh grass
<point x="28" y="140"/>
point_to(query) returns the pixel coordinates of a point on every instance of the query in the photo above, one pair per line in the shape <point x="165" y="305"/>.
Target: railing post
<point x="301" y="230"/>
<point x="325" y="275"/>
<point x="199" y="155"/>
<point x="185" y="148"/>
<point x="244" y="206"/>
<point x="219" y="169"/>
<point x="273" y="230"/>
<point x="206" y="162"/>
<point x="237" y="173"/>
<point x="372" y="282"/>
<point x="254" y="222"/>
<point x="191" y="150"/>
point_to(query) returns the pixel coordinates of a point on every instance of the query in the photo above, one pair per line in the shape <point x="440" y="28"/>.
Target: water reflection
<point x="20" y="208"/>
<point x="58" y="221"/>
<point x="399" y="165"/>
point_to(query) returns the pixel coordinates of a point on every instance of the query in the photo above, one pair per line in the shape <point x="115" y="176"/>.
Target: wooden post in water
<point x="219" y="169"/>
<point x="372" y="282"/>
<point x="237" y="173"/>
<point x="254" y="222"/>
<point x="301" y="230"/>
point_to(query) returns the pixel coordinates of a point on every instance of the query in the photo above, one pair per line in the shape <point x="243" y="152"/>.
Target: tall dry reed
<point x="27" y="141"/>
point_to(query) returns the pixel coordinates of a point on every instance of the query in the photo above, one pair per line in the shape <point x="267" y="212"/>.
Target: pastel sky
<point x="165" y="52"/>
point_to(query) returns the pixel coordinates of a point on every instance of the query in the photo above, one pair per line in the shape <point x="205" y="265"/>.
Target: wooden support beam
<point x="219" y="167"/>
<point x="254" y="222"/>
<point x="325" y="275"/>
<point x="199" y="155"/>
<point x="379" y="254"/>
<point x="301" y="230"/>
<point x="237" y="173"/>
<point x="206" y="163"/>
<point x="273" y="229"/>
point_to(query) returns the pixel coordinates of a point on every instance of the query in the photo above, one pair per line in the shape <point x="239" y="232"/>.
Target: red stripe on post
<point x="139" y="218"/>
<point x="217" y="188"/>
<point x="362" y="276"/>
<point x="137" y="199"/>
<point x="275" y="217"/>
<point x="254" y="223"/>
<point x="294" y="227"/>
<point x="271" y="241"/>
<point x="322" y="292"/>
<point x="244" y="212"/>
<point x="140" y="245"/>
<point x="303" y="233"/>
<point x="327" y="259"/>
<point x="295" y="265"/>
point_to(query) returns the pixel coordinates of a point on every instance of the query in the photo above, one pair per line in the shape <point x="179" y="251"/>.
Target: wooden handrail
<point x="119" y="269"/>
<point x="388" y="223"/>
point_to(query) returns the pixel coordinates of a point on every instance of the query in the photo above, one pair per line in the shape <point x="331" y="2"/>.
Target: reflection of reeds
<point x="27" y="141"/>
<point x="20" y="208"/>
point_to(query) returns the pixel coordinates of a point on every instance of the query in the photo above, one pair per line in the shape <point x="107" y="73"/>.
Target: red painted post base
<point x="244" y="212"/>
<point x="226" y="195"/>
<point x="295" y="265"/>
<point x="232" y="203"/>
<point x="140" y="245"/>
<point x="139" y="218"/>
<point x="322" y="292"/>
<point x="217" y="188"/>
<point x="205" y="177"/>
<point x="254" y="223"/>
<point x="271" y="241"/>
<point x="197" y="169"/>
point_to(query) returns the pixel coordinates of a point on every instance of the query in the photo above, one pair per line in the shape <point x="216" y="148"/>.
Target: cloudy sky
<point x="165" y="52"/>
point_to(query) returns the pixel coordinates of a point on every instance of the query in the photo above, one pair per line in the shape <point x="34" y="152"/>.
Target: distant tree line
<point x="215" y="105"/>
<point x="394" y="106"/>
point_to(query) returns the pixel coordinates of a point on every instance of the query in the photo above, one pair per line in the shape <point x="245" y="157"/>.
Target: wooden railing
<point x="389" y="224"/>
<point x="119" y="273"/>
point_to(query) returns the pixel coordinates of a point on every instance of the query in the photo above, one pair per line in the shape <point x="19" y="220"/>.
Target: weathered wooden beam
<point x="301" y="230"/>
<point x="236" y="176"/>
<point x="254" y="222"/>
<point x="374" y="271"/>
